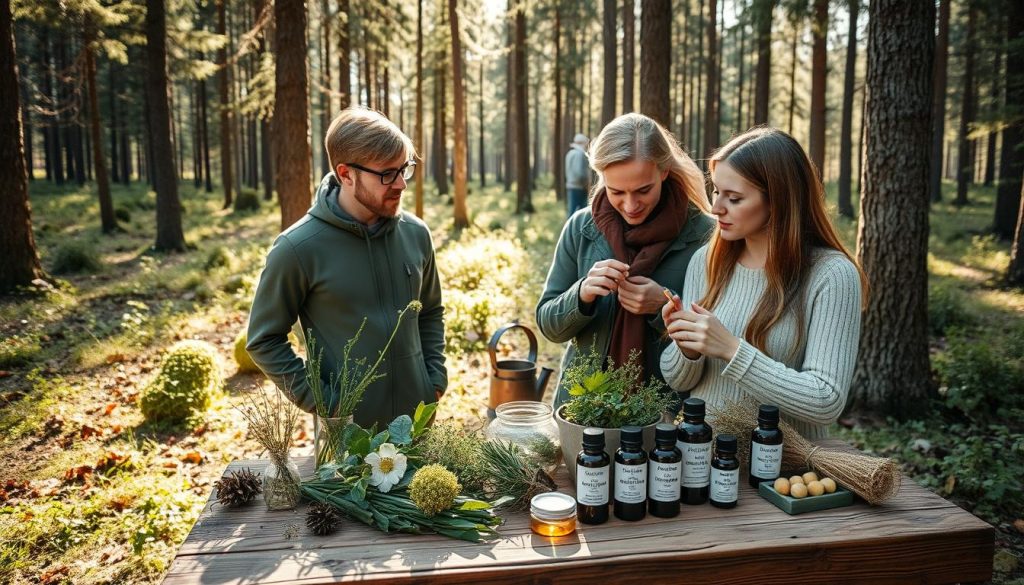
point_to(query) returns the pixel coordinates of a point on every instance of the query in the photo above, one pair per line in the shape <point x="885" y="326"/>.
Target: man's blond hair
<point x="363" y="136"/>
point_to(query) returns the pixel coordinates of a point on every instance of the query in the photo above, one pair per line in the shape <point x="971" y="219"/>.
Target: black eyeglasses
<point x="391" y="175"/>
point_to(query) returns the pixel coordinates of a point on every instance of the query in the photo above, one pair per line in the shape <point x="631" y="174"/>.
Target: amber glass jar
<point x="553" y="514"/>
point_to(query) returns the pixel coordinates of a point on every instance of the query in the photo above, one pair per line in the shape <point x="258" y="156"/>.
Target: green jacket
<point x="330" y="273"/>
<point x="559" y="314"/>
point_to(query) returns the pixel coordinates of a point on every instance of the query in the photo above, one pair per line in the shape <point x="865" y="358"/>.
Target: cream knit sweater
<point x="808" y="383"/>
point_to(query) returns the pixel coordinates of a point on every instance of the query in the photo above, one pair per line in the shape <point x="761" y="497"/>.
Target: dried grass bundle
<point x="875" y="479"/>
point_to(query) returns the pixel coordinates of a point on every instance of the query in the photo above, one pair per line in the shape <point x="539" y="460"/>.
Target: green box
<point x="837" y="499"/>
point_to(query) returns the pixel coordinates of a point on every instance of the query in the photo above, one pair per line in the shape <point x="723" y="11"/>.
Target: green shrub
<point x="75" y="257"/>
<point x="123" y="214"/>
<point x="947" y="308"/>
<point x="242" y="358"/>
<point x="983" y="380"/>
<point x="185" y="385"/>
<point x="247" y="200"/>
<point x="219" y="257"/>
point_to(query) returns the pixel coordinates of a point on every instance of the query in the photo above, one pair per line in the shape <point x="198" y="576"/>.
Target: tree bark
<point x="892" y="376"/>
<point x="846" y="133"/>
<point x="108" y="223"/>
<point x="510" y="85"/>
<point x="711" y="112"/>
<point x="763" y="16"/>
<point x="419" y="109"/>
<point x="19" y="263"/>
<point x="169" y="235"/>
<point x="557" y="130"/>
<point x="461" y="138"/>
<point x="1015" y="271"/>
<point x="291" y="111"/>
<point x="742" y="58"/>
<point x="818" y="72"/>
<point x="939" y="102"/>
<point x="524" y="203"/>
<point x="480" y="116"/>
<point x="344" y="48"/>
<point x="965" y="154"/>
<point x="628" y="56"/>
<point x="655" y="59"/>
<point x="609" y="36"/>
<point x="439" y="151"/>
<point x="227" y="179"/>
<point x="1011" y="158"/>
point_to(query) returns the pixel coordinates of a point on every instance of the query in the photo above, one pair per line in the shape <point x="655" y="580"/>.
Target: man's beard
<point x="380" y="207"/>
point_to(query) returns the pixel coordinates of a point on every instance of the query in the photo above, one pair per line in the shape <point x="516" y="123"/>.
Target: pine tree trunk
<point x="227" y="178"/>
<point x="711" y="113"/>
<point x="939" y="102"/>
<point x="461" y="138"/>
<point x="628" y="56"/>
<point x="655" y="55"/>
<point x="115" y="156"/>
<point x="291" y="111"/>
<point x="26" y="121"/>
<point x="742" y="58"/>
<point x="792" y="71"/>
<point x="440" y="149"/>
<point x="609" y="36"/>
<point x="108" y="223"/>
<point x="893" y="372"/>
<point x="510" y="84"/>
<point x="698" y="128"/>
<point x="524" y="202"/>
<point x="344" y="48"/>
<point x="169" y="235"/>
<point x="818" y="72"/>
<point x="19" y="263"/>
<point x="419" y="109"/>
<point x="763" y="15"/>
<point x="480" y="117"/>
<point x="965" y="155"/>
<point x="846" y="133"/>
<point x="1011" y="159"/>
<point x="1015" y="271"/>
<point x="557" y="136"/>
<point x="325" y="81"/>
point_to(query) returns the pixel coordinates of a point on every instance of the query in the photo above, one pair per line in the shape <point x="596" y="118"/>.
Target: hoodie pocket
<point x="414" y="276"/>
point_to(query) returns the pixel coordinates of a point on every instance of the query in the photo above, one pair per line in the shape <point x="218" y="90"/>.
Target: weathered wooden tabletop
<point x="916" y="537"/>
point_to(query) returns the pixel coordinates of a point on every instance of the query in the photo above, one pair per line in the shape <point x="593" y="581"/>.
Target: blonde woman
<point x="647" y="217"/>
<point x="771" y="307"/>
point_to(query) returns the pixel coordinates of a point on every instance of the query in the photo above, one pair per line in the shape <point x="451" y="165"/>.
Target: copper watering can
<point x="515" y="379"/>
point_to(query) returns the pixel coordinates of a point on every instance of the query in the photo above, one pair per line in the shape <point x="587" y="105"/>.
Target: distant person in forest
<point x="647" y="217"/>
<point x="577" y="174"/>
<point x="355" y="255"/>
<point x="771" y="307"/>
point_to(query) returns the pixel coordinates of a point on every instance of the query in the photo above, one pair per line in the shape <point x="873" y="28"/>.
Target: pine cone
<point x="322" y="518"/>
<point x="238" y="488"/>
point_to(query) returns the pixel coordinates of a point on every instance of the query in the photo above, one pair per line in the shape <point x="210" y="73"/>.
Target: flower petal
<point x="387" y="450"/>
<point x="373" y="459"/>
<point x="387" y="483"/>
<point x="377" y="478"/>
<point x="401" y="463"/>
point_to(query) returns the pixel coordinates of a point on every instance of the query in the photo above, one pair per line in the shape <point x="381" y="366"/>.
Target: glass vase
<point x="328" y="443"/>
<point x="281" y="485"/>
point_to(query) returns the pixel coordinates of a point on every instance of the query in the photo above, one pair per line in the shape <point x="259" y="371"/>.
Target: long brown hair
<point x="798" y="222"/>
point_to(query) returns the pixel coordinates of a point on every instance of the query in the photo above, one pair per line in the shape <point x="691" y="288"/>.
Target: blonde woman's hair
<point x="637" y="137"/>
<point x="363" y="136"/>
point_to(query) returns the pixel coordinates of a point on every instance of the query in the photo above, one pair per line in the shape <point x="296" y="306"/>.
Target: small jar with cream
<point x="553" y="514"/>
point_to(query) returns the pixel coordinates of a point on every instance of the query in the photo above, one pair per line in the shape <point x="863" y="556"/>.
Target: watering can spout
<point x="542" y="382"/>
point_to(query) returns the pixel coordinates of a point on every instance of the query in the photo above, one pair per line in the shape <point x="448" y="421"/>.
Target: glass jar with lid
<point x="530" y="426"/>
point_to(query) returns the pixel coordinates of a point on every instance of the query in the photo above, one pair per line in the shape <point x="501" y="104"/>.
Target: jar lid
<point x="553" y="506"/>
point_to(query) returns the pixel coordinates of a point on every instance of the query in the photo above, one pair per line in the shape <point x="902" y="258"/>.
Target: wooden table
<point x="916" y="537"/>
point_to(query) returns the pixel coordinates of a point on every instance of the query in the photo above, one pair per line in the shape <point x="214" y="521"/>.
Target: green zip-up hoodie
<point x="560" y="316"/>
<point x="330" y="273"/>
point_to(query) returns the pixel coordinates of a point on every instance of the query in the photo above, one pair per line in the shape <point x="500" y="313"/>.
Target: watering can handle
<point x="492" y="345"/>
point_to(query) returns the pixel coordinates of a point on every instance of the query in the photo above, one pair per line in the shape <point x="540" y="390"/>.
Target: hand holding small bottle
<point x="698" y="332"/>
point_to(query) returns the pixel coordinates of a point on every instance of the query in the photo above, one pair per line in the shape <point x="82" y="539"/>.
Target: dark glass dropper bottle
<point x="695" y="444"/>
<point x="765" y="446"/>
<point x="630" y="501"/>
<point x="593" y="472"/>
<point x="663" y="475"/>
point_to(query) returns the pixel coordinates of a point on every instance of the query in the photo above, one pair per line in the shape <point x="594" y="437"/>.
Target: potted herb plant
<point x="609" y="398"/>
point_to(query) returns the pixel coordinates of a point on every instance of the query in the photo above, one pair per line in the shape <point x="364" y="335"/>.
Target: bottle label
<point x="663" y="479"/>
<point x="725" y="485"/>
<point x="696" y="464"/>
<point x="631" y="483"/>
<point x="592" y="485"/>
<point x="765" y="460"/>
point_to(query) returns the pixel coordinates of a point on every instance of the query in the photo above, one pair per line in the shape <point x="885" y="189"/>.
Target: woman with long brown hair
<point x="646" y="218"/>
<point x="771" y="307"/>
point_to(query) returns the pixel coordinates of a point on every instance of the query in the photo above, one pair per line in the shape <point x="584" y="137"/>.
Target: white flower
<point x="388" y="467"/>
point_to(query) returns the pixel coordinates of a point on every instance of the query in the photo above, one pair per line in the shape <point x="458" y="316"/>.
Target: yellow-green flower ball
<point x="433" y="489"/>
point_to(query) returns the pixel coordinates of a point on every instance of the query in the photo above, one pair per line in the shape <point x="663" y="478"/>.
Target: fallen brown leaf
<point x="78" y="473"/>
<point x="192" y="457"/>
<point x="109" y="408"/>
<point x="90" y="431"/>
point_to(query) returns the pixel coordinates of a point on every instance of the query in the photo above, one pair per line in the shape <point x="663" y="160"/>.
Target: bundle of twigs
<point x="873" y="478"/>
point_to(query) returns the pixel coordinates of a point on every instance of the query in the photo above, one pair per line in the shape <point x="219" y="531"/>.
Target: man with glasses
<point x="355" y="256"/>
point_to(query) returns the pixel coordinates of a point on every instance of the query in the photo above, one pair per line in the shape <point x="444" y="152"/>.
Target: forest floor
<point x="90" y="492"/>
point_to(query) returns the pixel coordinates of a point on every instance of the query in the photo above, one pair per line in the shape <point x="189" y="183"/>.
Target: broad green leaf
<point x="424" y="412"/>
<point x="378" y="440"/>
<point x="474" y="505"/>
<point x="400" y="430"/>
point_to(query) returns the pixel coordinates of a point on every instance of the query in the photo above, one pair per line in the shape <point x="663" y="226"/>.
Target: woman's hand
<point x="602" y="279"/>
<point x="640" y="295"/>
<point x="698" y="332"/>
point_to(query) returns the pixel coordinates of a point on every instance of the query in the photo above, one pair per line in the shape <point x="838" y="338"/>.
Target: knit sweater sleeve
<point x="817" y="391"/>
<point x="680" y="372"/>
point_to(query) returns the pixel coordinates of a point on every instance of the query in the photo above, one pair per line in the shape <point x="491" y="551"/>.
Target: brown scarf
<point x="641" y="247"/>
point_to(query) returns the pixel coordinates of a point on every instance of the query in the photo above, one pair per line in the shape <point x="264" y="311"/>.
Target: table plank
<point x="914" y="537"/>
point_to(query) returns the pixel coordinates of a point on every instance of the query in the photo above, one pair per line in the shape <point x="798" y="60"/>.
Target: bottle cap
<point x="553" y="506"/>
<point x="665" y="433"/>
<point x="726" y="443"/>
<point x="593" y="437"/>
<point x="632" y="436"/>
<point x="768" y="413"/>
<point x="693" y="407"/>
